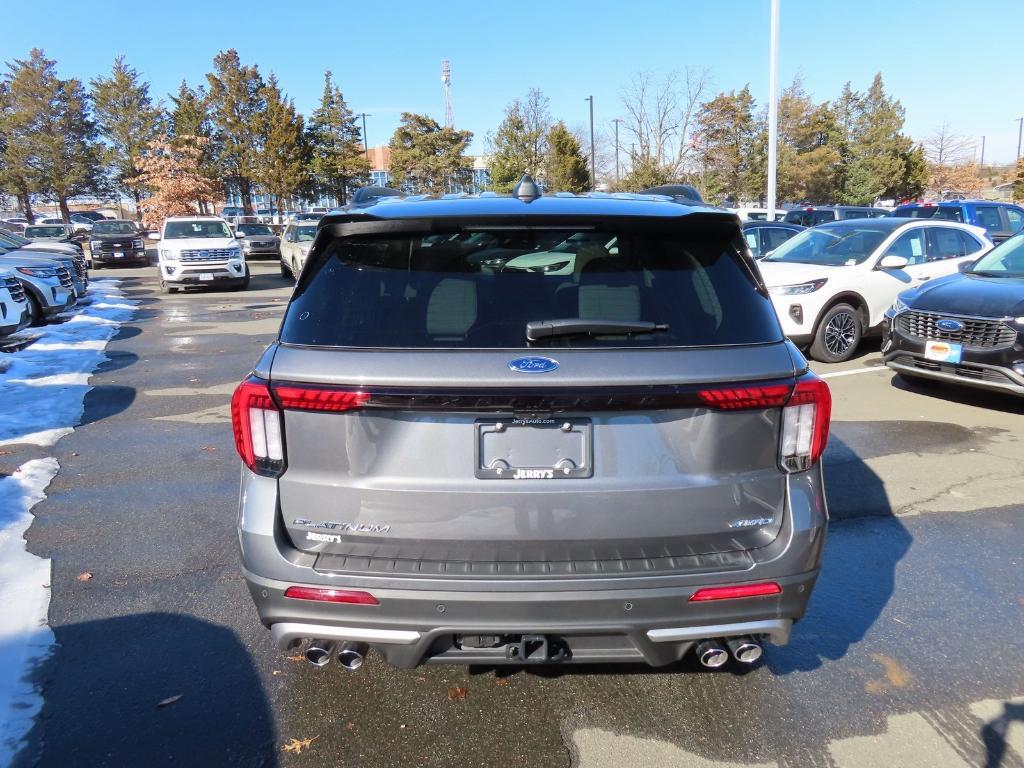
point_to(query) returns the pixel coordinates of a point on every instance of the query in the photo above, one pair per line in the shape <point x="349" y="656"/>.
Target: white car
<point x="14" y="313"/>
<point x="200" y="251"/>
<point x="832" y="284"/>
<point x="295" y="243"/>
<point x="758" y="214"/>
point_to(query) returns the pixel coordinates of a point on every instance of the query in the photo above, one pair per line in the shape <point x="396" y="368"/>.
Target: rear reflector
<point x="352" y="597"/>
<point x="734" y="592"/>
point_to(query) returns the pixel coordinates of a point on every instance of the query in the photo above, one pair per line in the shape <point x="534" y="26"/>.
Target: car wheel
<point x="838" y="335"/>
<point x="285" y="271"/>
<point x="245" y="283"/>
<point x="35" y="311"/>
<point x="295" y="271"/>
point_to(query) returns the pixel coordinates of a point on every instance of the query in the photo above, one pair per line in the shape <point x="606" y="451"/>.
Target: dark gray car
<point x="612" y="460"/>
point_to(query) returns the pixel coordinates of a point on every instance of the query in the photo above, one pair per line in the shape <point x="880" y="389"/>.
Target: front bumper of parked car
<point x="996" y="369"/>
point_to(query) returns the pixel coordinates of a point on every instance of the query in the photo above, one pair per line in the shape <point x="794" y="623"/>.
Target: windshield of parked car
<point x="177" y="230"/>
<point x="1005" y="260"/>
<point x="467" y="291"/>
<point x="831" y="245"/>
<point x="45" y="230"/>
<point x="114" y="228"/>
<point x="247" y="230"/>
<point x="306" y="233"/>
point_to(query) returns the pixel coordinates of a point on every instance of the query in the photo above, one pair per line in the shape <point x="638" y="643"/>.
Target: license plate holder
<point x="118" y="254"/>
<point x="943" y="351"/>
<point x="206" y="275"/>
<point x="527" y="448"/>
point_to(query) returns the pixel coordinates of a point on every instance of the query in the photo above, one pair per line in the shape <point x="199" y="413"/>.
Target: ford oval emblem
<point x="949" y="326"/>
<point x="533" y="365"/>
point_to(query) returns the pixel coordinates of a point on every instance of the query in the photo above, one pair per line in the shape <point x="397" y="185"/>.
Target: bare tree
<point x="946" y="147"/>
<point x="659" y="115"/>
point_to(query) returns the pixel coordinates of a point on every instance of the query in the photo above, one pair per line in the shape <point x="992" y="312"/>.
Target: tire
<point x="295" y="270"/>
<point x="165" y="288"/>
<point x="285" y="272"/>
<point x="35" y="311"/>
<point x="838" y="334"/>
<point x="245" y="283"/>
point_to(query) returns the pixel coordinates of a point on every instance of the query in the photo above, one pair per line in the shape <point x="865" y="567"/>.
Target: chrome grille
<point x="981" y="333"/>
<point x="65" y="278"/>
<point x="108" y="247"/>
<point x="201" y="256"/>
<point x="80" y="268"/>
<point x="16" y="289"/>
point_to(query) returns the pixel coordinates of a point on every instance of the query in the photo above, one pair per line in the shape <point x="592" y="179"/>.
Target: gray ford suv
<point x="607" y="453"/>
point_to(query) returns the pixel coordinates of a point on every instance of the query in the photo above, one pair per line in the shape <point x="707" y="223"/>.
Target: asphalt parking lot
<point x="910" y="655"/>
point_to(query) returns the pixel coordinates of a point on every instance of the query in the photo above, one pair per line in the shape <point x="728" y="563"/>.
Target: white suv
<point x="832" y="284"/>
<point x="200" y="251"/>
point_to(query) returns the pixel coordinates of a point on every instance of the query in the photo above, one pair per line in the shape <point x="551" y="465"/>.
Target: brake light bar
<point x="761" y="589"/>
<point x="741" y="398"/>
<point x="319" y="399"/>
<point x="326" y="595"/>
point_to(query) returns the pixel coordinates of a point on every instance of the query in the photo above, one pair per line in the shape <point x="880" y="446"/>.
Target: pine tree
<point x="426" y="157"/>
<point x="520" y="144"/>
<point x="728" y="131"/>
<point x="339" y="159"/>
<point x="15" y="173"/>
<point x="190" y="115"/>
<point x="235" y="104"/>
<point x="128" y="120"/>
<point x="283" y="160"/>
<point x="48" y="130"/>
<point x="565" y="167"/>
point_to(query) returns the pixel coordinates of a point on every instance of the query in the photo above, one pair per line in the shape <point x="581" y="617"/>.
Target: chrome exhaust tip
<point x="711" y="654"/>
<point x="351" y="655"/>
<point x="319" y="652"/>
<point x="744" y="649"/>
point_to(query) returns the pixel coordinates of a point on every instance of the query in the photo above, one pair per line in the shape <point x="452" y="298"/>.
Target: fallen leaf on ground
<point x="297" y="745"/>
<point x="84" y="576"/>
<point x="300" y="657"/>
<point x="276" y="672"/>
<point x="350" y="726"/>
<point x="168" y="701"/>
<point x="458" y="694"/>
<point x="421" y="679"/>
<point x="501" y="681"/>
<point x="5" y="453"/>
<point x="207" y="448"/>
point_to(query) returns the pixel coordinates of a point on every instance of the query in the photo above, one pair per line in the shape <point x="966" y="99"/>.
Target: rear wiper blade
<point x="574" y="326"/>
<point x="983" y="273"/>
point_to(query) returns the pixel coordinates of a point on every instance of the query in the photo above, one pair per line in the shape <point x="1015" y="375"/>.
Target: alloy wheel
<point x="840" y="333"/>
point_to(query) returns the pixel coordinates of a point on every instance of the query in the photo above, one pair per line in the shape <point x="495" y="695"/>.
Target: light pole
<point x="617" y="121"/>
<point x="593" y="163"/>
<point x="773" y="107"/>
<point x="366" y="144"/>
<point x="982" y="152"/>
<point x="1020" y="129"/>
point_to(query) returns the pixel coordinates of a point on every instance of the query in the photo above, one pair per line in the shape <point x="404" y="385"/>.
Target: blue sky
<point x="947" y="61"/>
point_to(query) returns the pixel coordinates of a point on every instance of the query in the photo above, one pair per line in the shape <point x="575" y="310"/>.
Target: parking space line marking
<point x="851" y="373"/>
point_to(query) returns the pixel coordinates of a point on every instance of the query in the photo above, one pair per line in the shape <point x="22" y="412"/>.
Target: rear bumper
<point x="599" y="618"/>
<point x="657" y="626"/>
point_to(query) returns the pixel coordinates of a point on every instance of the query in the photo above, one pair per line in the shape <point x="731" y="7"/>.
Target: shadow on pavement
<point x="979" y="398"/>
<point x="858" y="577"/>
<point x="157" y="689"/>
<point x="993" y="735"/>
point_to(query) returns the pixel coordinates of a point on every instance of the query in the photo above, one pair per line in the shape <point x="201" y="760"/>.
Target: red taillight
<point x="353" y="597"/>
<point x="738" y="398"/>
<point x="256" y="421"/>
<point x="314" y="399"/>
<point x="805" y="422"/>
<point x="734" y="592"/>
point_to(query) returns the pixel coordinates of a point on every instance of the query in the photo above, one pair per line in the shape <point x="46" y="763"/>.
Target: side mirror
<point x="893" y="262"/>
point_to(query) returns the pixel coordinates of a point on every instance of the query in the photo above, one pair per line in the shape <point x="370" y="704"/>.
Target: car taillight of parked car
<point x="806" y="412"/>
<point x="256" y="418"/>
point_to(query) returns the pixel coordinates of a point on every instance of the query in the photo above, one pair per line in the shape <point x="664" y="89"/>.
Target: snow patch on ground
<point x="45" y="384"/>
<point x="42" y="389"/>
<point x="25" y="638"/>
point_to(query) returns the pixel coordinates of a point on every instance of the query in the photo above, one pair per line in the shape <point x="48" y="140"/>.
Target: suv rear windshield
<point x="46" y="230"/>
<point x="479" y="289"/>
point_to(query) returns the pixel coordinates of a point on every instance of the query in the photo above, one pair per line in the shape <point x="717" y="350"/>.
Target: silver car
<point x="295" y="244"/>
<point x="447" y="463"/>
<point x="46" y="281"/>
<point x="258" y="240"/>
